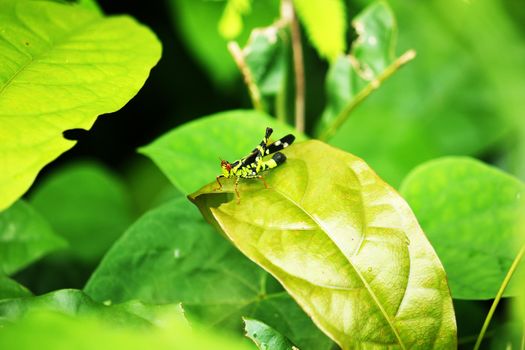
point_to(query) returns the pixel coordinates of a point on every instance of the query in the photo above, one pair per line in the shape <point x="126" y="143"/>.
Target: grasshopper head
<point x="226" y="167"/>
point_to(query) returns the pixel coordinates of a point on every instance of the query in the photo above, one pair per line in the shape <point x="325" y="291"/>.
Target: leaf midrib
<point x="363" y="280"/>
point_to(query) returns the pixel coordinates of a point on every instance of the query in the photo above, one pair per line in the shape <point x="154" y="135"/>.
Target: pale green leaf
<point x="325" y="23"/>
<point x="25" y="237"/>
<point x="345" y="245"/>
<point x="197" y="21"/>
<point x="9" y="288"/>
<point x="61" y="67"/>
<point x="200" y="269"/>
<point x="469" y="211"/>
<point x="87" y="205"/>
<point x="52" y="331"/>
<point x="190" y="154"/>
<point x="266" y="337"/>
<point x="351" y="78"/>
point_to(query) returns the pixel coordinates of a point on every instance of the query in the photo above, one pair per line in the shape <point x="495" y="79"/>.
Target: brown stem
<point x="253" y="90"/>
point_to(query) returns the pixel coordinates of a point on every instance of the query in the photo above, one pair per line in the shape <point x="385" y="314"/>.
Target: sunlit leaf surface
<point x="171" y="255"/>
<point x="470" y="212"/>
<point x="62" y="66"/>
<point x="25" y="236"/>
<point x="344" y="244"/>
<point x="190" y="154"/>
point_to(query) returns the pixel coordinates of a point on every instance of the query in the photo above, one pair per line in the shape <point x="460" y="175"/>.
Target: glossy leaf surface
<point x="62" y="67"/>
<point x="25" y="236"/>
<point x="344" y="244"/>
<point x="190" y="154"/>
<point x="172" y="255"/>
<point x="470" y="212"/>
<point x="266" y="337"/>
<point x="87" y="205"/>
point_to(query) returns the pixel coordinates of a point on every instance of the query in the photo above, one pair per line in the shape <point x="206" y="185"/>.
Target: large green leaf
<point x="469" y="211"/>
<point x="171" y="255"/>
<point x="24" y="237"/>
<point x="345" y="245"/>
<point x="189" y="155"/>
<point x="87" y="205"/>
<point x="52" y="331"/>
<point x="198" y="22"/>
<point x="9" y="288"/>
<point x="325" y="23"/>
<point x="266" y="337"/>
<point x="456" y="97"/>
<point x="61" y="66"/>
<point x="351" y="78"/>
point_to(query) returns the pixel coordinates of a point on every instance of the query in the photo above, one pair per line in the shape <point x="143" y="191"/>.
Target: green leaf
<point x="231" y="23"/>
<point x="325" y="23"/>
<point x="469" y="211"/>
<point x="266" y="337"/>
<point x="9" y="288"/>
<point x="62" y="66"/>
<point x="24" y="237"/>
<point x="74" y="302"/>
<point x="344" y="244"/>
<point x="189" y="155"/>
<point x="214" y="282"/>
<point x="53" y="331"/>
<point x="198" y="22"/>
<point x="87" y="205"/>
<point x="351" y="78"/>
<point x="456" y="98"/>
<point x="266" y="58"/>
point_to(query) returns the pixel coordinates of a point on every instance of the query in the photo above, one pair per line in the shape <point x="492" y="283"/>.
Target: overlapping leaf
<point x="345" y="245"/>
<point x="189" y="155"/>
<point x="62" y="66"/>
<point x="470" y="212"/>
<point x="171" y="255"/>
<point x="9" y="288"/>
<point x="24" y="237"/>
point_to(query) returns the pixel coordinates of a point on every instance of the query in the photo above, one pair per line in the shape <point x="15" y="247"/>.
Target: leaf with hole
<point x="344" y="244"/>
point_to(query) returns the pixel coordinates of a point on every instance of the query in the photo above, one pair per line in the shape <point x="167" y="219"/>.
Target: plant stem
<point x="368" y="89"/>
<point x="288" y="12"/>
<point x="506" y="281"/>
<point x="253" y="90"/>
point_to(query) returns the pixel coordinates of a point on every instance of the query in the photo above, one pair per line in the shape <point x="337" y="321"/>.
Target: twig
<point x="361" y="95"/>
<point x="253" y="90"/>
<point x="495" y="303"/>
<point x="288" y="12"/>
